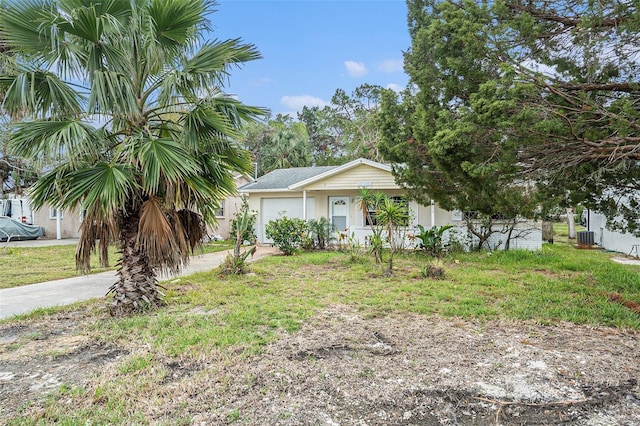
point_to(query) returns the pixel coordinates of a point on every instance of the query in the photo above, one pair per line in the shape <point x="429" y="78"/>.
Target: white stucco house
<point x="333" y="192"/>
<point x="611" y="240"/>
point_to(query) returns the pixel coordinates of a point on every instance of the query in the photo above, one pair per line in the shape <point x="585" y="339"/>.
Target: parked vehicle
<point x="18" y="209"/>
<point x="12" y="230"/>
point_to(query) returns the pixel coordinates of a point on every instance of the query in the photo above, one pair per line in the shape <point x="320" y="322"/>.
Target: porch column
<point x="433" y="213"/>
<point x="58" y="224"/>
<point x="304" y="204"/>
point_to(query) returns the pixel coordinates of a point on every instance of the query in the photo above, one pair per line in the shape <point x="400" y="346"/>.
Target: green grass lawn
<point x="235" y="316"/>
<point x="558" y="283"/>
<point x="30" y="265"/>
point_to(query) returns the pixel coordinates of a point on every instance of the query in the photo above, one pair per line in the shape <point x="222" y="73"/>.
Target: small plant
<point x="343" y="237"/>
<point x="376" y="242"/>
<point x="431" y="239"/>
<point x="434" y="270"/>
<point x="354" y="248"/>
<point x="241" y="230"/>
<point x="247" y="228"/>
<point x="319" y="233"/>
<point x="287" y="233"/>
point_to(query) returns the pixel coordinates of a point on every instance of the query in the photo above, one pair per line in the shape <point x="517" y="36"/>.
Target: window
<point x="83" y="214"/>
<point x="220" y="210"/>
<point x="53" y="213"/>
<point x="370" y="218"/>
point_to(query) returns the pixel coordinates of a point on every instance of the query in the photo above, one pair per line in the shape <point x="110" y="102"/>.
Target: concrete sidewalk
<point x="23" y="299"/>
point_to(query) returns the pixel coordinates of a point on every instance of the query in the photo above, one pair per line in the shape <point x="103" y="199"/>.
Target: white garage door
<point x="275" y="208"/>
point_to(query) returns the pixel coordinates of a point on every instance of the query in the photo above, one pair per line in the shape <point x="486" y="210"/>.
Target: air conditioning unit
<point x="586" y="238"/>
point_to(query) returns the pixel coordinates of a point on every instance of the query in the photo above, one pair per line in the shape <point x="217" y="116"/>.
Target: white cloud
<point x="395" y="87"/>
<point x="356" y="69"/>
<point x="297" y="102"/>
<point x="391" y="65"/>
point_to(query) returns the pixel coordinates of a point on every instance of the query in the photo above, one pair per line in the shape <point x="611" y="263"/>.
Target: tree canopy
<point x="508" y="93"/>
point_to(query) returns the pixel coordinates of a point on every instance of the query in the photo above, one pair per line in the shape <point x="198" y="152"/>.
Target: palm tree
<point x="288" y="149"/>
<point x="124" y="102"/>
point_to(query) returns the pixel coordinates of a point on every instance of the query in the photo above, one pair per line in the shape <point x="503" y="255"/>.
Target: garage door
<point x="275" y="208"/>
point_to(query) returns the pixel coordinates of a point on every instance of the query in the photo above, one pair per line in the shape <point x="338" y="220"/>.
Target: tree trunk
<point x="571" y="221"/>
<point x="136" y="288"/>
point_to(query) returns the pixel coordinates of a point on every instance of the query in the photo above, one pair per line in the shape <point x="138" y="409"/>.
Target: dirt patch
<point x="344" y="368"/>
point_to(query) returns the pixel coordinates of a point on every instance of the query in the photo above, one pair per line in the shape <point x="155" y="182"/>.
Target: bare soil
<point x="345" y="368"/>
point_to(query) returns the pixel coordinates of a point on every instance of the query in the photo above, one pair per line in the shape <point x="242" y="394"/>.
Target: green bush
<point x="431" y="239"/>
<point x="320" y="233"/>
<point x="287" y="234"/>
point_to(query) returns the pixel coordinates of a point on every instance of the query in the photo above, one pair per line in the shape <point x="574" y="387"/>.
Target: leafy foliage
<point x="242" y="230"/>
<point x="387" y="219"/>
<point x="287" y="233"/>
<point x="242" y="226"/>
<point x="431" y="239"/>
<point x="320" y="233"/>
<point x="345" y="129"/>
<point x="123" y="101"/>
<point x="508" y="94"/>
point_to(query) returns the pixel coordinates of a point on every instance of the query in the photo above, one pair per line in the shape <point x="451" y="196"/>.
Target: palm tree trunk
<point x="137" y="287"/>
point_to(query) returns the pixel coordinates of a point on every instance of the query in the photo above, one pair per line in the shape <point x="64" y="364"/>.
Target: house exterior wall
<point x="612" y="240"/>
<point x="69" y="223"/>
<point x="530" y="240"/>
<point x="357" y="177"/>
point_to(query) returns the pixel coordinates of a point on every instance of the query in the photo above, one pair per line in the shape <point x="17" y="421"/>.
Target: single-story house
<point x="333" y="192"/>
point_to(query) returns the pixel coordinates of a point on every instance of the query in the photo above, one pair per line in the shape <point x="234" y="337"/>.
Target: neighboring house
<point x="228" y="210"/>
<point x="70" y="221"/>
<point x="611" y="240"/>
<point x="333" y="192"/>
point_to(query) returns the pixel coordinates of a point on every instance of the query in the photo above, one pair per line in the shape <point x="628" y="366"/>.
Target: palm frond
<point x="39" y="93"/>
<point x="54" y="139"/>
<point x="193" y="226"/>
<point x="205" y="123"/>
<point x="215" y="58"/>
<point x="108" y="187"/>
<point x="174" y="22"/>
<point x="113" y="93"/>
<point x="164" y="160"/>
<point x="157" y="237"/>
<point x="95" y="229"/>
<point x="21" y="25"/>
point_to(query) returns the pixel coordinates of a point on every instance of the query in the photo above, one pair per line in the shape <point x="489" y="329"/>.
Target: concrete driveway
<point x="24" y="299"/>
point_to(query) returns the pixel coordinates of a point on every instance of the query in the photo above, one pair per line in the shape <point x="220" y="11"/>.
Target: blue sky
<point x="310" y="48"/>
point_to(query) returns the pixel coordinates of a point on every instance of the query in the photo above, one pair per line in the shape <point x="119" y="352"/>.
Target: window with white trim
<point x="370" y="216"/>
<point x="220" y="210"/>
<point x="53" y="213"/>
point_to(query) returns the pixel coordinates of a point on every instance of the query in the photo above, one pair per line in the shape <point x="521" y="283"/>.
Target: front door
<point x="339" y="213"/>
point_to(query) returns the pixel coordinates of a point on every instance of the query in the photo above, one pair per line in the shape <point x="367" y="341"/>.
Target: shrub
<point x="320" y="233"/>
<point x="431" y="239"/>
<point x="287" y="234"/>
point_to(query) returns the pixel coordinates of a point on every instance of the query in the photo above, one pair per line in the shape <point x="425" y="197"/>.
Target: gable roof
<point x="298" y="177"/>
<point x="281" y="179"/>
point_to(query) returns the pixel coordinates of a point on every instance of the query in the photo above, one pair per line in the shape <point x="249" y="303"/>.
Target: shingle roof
<point x="283" y="178"/>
